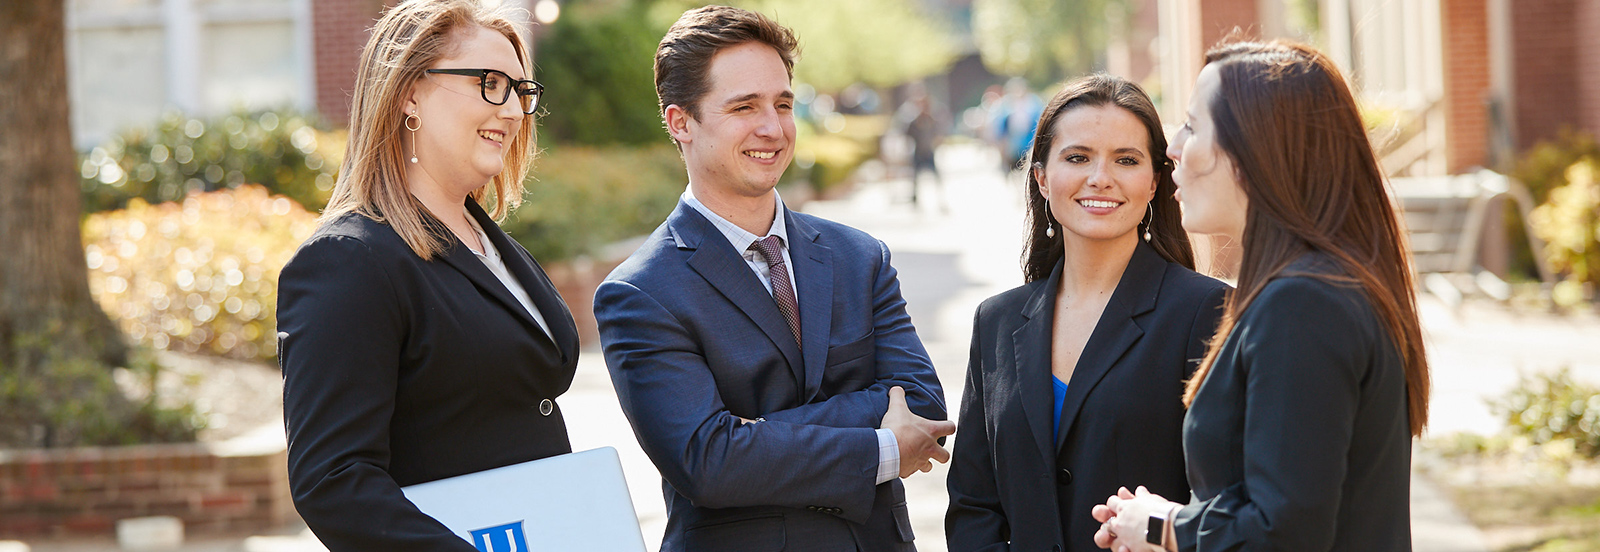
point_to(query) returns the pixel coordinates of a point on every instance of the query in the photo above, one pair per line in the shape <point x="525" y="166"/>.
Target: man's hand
<point x="918" y="437"/>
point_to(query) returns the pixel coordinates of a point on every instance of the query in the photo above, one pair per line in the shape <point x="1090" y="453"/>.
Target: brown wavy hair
<point x="1289" y="123"/>
<point x="1041" y="252"/>
<point x="407" y="40"/>
<point x="684" y="55"/>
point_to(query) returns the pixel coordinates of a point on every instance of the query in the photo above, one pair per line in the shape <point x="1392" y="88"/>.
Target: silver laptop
<point x="575" y="502"/>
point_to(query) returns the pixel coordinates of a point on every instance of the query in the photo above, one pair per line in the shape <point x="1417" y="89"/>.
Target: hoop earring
<point x="409" y="118"/>
<point x="1150" y="219"/>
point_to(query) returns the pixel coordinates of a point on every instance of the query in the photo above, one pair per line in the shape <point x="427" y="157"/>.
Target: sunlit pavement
<point x="961" y="244"/>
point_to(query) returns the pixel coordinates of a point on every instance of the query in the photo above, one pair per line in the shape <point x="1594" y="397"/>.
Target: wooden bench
<point x="1445" y="218"/>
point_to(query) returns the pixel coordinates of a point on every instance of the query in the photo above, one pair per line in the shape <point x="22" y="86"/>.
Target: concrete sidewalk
<point x="949" y="261"/>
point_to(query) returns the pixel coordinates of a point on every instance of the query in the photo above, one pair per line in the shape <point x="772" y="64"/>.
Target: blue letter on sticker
<point x="501" y="538"/>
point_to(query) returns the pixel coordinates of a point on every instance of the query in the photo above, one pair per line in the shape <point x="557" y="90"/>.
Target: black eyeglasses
<point x="497" y="87"/>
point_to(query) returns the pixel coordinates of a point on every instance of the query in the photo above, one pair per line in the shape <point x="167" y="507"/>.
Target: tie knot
<point x="769" y="248"/>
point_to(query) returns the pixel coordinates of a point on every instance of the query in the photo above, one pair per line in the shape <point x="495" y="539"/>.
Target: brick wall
<point x="1545" y="67"/>
<point x="1587" y="73"/>
<point x="1466" y="83"/>
<point x="339" y="31"/>
<point x="80" y="492"/>
<point x="1220" y="17"/>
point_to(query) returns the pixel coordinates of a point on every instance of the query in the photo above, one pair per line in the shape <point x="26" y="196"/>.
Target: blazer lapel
<point x="1115" y="332"/>
<point x="1030" y="343"/>
<point x="467" y="263"/>
<point x="563" y="330"/>
<point x="813" y="276"/>
<point x="725" y="269"/>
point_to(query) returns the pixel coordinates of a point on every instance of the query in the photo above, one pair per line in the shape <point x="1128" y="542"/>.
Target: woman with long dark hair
<point x="1075" y="383"/>
<point x="1298" y="435"/>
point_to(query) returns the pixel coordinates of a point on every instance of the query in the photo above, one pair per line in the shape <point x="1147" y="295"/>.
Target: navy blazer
<point x="694" y="342"/>
<point x="1011" y="486"/>
<point x="399" y="371"/>
<point x="1299" y="438"/>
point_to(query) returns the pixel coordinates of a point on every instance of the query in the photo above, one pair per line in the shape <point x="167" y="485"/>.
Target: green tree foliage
<point x="1045" y="40"/>
<point x="878" y="42"/>
<point x="597" y="62"/>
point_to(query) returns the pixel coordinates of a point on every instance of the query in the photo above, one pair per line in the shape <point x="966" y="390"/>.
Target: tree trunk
<point x="46" y="312"/>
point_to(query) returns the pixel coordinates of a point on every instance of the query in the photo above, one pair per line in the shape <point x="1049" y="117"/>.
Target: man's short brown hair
<point x="685" y="53"/>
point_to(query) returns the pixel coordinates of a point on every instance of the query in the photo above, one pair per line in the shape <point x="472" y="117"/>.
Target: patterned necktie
<point x="782" y="290"/>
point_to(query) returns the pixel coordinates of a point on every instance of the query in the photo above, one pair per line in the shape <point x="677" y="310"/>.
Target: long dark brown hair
<point x="1287" y="120"/>
<point x="1041" y="252"/>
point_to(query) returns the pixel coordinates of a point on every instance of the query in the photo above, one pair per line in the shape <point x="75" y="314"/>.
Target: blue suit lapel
<point x="1030" y="346"/>
<point x="714" y="259"/>
<point x="813" y="276"/>
<point x="1115" y="332"/>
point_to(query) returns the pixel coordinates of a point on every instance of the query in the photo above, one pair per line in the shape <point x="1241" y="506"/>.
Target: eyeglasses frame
<point x="483" y="80"/>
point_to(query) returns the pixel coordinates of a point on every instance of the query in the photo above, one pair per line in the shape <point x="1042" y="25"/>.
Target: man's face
<point x="744" y="137"/>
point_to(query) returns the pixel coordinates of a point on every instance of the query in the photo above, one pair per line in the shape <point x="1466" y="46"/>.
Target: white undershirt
<point x="492" y="259"/>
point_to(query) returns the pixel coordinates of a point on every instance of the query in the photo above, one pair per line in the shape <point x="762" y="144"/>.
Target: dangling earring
<point x="1049" y="221"/>
<point x="1150" y="219"/>
<point x="413" y="130"/>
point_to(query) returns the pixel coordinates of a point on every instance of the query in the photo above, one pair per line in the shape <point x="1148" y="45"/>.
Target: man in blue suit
<point x="764" y="357"/>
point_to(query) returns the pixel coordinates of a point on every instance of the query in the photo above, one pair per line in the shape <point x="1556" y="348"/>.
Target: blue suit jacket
<point x="694" y="342"/>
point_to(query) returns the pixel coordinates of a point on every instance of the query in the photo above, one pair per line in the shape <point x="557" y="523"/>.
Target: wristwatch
<point x="1156" y="531"/>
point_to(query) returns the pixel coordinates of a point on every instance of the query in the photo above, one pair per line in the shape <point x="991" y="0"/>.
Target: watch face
<point x="1156" y="530"/>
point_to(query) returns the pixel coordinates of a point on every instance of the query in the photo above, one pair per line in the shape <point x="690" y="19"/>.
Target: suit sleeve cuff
<point x="888" y="457"/>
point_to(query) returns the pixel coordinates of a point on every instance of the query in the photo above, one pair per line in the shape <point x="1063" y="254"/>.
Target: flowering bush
<point x="199" y="275"/>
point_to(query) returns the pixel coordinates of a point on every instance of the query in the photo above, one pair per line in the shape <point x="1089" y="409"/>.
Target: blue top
<point x="1060" y="390"/>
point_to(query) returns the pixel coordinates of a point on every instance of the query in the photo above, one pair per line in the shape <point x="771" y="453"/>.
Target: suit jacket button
<point x="545" y="407"/>
<point x="1064" y="477"/>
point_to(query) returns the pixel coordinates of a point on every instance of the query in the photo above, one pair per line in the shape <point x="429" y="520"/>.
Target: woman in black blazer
<point x="1298" y="435"/>
<point x="1112" y="310"/>
<point x="418" y="341"/>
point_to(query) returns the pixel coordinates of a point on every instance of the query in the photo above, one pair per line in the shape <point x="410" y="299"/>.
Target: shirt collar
<point x="738" y="237"/>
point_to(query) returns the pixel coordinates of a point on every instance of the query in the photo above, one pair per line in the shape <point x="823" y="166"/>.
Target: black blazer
<point x="1299" y="438"/>
<point x="399" y="371"/>
<point x="1011" y="487"/>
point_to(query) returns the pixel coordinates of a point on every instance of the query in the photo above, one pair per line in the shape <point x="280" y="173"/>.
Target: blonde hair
<point x="407" y="40"/>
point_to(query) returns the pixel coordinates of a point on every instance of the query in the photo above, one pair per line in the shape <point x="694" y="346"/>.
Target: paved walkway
<point x="953" y="254"/>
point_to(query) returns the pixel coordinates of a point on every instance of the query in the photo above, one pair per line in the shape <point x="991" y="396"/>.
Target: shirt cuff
<point x="888" y="456"/>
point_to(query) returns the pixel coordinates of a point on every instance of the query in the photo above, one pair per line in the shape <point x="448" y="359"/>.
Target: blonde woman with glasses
<point x="417" y="340"/>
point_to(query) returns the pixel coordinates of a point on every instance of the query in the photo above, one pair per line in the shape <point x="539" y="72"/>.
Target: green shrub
<point x="829" y="158"/>
<point x="69" y="402"/>
<point x="597" y="60"/>
<point x="580" y="198"/>
<point x="286" y="152"/>
<point x="200" y="275"/>
<point x="1553" y="407"/>
<point x="1544" y="167"/>
<point x="1569" y="223"/>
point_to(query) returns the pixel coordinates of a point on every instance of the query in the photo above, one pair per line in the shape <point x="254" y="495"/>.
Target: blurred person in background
<point x="418" y="341"/>
<point x="1075" y="383"/>
<point x="1013" y="120"/>
<point x="1298" y="435"/>
<point x="925" y="123"/>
